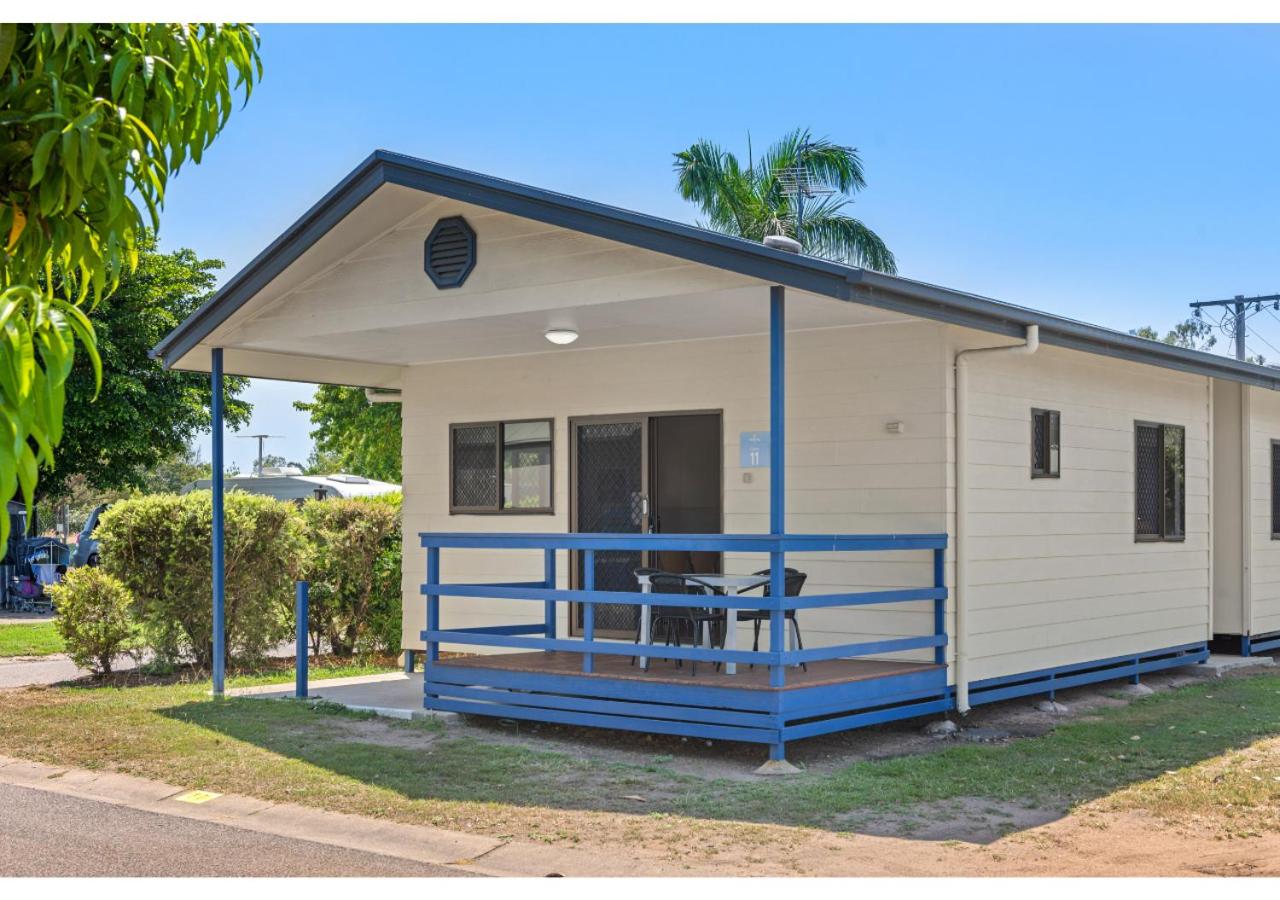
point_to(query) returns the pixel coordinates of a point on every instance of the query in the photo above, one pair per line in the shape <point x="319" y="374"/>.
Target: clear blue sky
<point x="1106" y="173"/>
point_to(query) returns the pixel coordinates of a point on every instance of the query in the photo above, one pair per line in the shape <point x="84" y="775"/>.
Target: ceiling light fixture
<point x="561" y="336"/>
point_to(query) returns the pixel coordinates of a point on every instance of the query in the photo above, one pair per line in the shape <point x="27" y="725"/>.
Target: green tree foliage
<point x="94" y="618"/>
<point x="144" y="416"/>
<point x="353" y="434"/>
<point x="1192" y="333"/>
<point x="751" y="201"/>
<point x="159" y="547"/>
<point x="174" y="472"/>
<point x="94" y="119"/>
<point x="349" y="572"/>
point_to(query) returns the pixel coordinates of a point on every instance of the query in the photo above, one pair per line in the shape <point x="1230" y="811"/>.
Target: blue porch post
<point x="588" y="609"/>
<point x="549" y="579"/>
<point x="777" y="476"/>
<point x="219" y="588"/>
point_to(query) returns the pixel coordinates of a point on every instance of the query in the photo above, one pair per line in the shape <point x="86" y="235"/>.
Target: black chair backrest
<point x="667" y="583"/>
<point x="793" y="581"/>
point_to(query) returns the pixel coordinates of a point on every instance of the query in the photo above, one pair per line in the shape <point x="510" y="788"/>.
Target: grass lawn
<point x="1207" y="750"/>
<point x="22" y="639"/>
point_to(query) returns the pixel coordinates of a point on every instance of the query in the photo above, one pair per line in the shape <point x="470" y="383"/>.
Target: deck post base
<point x="777" y="767"/>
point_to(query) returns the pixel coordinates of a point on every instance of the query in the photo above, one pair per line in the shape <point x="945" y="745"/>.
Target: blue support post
<point x="433" y="608"/>
<point x="777" y="472"/>
<point x="219" y="565"/>
<point x="940" y="605"/>
<point x="301" y="589"/>
<point x="588" y="609"/>
<point x="549" y="578"/>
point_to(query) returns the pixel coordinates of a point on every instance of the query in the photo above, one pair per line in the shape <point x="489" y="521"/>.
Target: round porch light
<point x="561" y="336"/>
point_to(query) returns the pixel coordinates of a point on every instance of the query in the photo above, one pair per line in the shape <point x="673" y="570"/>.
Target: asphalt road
<point x="46" y="834"/>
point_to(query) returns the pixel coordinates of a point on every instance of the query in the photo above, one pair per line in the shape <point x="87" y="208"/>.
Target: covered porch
<point x="672" y="323"/>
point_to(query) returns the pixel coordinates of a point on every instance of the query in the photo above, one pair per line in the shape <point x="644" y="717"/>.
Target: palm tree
<point x="752" y="202"/>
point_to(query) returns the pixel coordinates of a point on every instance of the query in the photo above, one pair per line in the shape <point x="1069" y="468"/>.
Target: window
<point x="500" y="467"/>
<point x="1275" y="490"/>
<point x="1160" y="479"/>
<point x="1045" y="449"/>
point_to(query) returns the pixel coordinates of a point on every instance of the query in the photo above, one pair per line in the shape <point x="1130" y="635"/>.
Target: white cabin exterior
<point x="1063" y="574"/>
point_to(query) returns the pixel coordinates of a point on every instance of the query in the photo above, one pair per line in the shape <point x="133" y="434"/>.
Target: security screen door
<point x="634" y="474"/>
<point x="610" y="482"/>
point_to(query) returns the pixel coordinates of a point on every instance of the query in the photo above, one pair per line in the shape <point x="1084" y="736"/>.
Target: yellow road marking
<point x="197" y="797"/>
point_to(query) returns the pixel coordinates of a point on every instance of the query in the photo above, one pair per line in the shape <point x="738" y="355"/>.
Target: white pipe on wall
<point x="376" y="395"/>
<point x="961" y="637"/>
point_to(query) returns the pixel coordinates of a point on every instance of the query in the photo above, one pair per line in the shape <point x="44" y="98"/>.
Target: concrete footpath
<point x="466" y="853"/>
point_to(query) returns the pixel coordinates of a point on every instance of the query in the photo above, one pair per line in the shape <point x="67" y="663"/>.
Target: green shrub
<point x="160" y="547"/>
<point x="354" y="570"/>
<point x="94" y="618"/>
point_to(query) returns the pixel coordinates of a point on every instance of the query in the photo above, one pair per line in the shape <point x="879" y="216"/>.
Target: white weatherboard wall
<point x="1263" y="411"/>
<point x="846" y="472"/>
<point x="1056" y="576"/>
<point x="1232" y="484"/>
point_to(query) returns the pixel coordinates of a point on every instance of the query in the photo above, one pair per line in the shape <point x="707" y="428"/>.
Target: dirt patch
<point x="967" y="819"/>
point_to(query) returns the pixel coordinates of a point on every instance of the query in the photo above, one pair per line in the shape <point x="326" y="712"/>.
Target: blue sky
<point x="1107" y="173"/>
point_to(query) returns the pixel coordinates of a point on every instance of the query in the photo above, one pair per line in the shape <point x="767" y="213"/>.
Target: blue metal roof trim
<point x="819" y="276"/>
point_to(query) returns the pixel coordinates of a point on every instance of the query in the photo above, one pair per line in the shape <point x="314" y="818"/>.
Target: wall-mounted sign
<point x="753" y="447"/>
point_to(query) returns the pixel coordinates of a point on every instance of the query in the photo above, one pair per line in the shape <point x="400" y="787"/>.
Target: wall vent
<point x="449" y="254"/>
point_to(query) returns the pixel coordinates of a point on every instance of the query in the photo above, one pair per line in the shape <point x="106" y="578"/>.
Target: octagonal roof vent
<point x="449" y="254"/>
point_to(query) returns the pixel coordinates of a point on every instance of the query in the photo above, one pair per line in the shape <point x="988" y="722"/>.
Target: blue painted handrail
<point x="542" y="636"/>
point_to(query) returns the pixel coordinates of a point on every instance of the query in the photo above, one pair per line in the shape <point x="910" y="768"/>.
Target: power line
<point x="1236" y="315"/>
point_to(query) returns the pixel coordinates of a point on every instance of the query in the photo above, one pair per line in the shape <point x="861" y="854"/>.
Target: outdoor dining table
<point x="723" y="583"/>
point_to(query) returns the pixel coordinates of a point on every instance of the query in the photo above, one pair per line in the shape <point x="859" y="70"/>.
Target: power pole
<point x="1239" y="306"/>
<point x="260" y="438"/>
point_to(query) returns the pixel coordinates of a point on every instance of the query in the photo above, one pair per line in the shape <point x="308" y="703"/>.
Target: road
<point x="21" y="671"/>
<point x="46" y="834"/>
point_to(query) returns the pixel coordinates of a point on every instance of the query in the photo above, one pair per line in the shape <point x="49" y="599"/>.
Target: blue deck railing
<point x="542" y="635"/>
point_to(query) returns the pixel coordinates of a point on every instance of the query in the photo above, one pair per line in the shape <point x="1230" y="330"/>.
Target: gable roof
<point x="808" y="273"/>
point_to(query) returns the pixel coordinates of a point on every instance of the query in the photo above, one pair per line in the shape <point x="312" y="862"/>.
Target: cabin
<point x="661" y="479"/>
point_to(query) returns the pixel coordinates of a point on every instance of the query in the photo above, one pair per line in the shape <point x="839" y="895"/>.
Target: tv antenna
<point x="261" y="439"/>
<point x="798" y="182"/>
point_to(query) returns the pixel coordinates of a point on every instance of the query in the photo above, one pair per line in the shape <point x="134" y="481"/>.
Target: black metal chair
<point x="676" y="622"/>
<point x="793" y="581"/>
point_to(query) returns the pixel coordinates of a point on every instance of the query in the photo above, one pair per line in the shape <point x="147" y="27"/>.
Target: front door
<point x="638" y="474"/>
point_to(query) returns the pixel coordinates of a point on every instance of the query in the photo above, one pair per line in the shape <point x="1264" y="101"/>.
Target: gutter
<point x="1031" y="343"/>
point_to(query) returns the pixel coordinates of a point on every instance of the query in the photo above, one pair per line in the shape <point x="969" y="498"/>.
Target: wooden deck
<point x="620" y="668"/>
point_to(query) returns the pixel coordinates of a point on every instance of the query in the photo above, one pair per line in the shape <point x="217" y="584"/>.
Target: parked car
<point x="86" y="550"/>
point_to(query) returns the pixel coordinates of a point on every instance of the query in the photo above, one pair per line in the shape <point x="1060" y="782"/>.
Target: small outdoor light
<point x="561" y="336"/>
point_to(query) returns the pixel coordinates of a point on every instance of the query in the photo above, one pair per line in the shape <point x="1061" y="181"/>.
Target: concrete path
<point x="47" y="834"/>
<point x="392" y="694"/>
<point x="103" y="834"/>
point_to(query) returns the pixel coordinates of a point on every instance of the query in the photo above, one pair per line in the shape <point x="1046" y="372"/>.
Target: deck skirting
<point x="829" y="698"/>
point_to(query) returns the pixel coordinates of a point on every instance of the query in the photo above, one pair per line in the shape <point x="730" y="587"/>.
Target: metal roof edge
<point x="820" y="276"/>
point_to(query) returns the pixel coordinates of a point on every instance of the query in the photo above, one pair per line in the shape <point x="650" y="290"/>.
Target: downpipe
<point x="1030" y="344"/>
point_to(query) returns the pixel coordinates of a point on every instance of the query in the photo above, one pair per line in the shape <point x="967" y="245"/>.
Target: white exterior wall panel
<point x="1264" y="570"/>
<point x="846" y="473"/>
<point x="1055" y="575"/>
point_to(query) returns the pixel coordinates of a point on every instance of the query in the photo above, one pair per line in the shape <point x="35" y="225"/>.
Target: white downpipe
<point x="961" y="642"/>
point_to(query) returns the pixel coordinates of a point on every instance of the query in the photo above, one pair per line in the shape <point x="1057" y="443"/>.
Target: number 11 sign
<point x="754" y="449"/>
